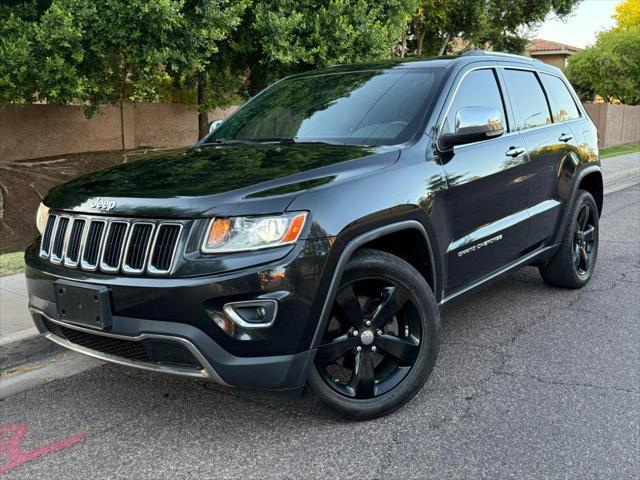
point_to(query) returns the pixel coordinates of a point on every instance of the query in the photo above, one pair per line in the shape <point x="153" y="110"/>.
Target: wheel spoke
<point x="338" y="348"/>
<point x="589" y="233"/>
<point x="583" y="217"/>
<point x="584" y="258"/>
<point x="363" y="379"/>
<point x="349" y="306"/>
<point x="576" y="255"/>
<point x="405" y="350"/>
<point x="393" y="299"/>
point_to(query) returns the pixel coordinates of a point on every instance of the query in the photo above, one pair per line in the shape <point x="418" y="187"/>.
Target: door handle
<point x="565" y="137"/>
<point x="515" y="151"/>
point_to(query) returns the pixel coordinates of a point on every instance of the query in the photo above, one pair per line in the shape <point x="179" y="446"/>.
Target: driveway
<point x="531" y="382"/>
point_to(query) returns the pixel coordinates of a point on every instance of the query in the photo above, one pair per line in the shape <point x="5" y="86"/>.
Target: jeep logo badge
<point x="103" y="204"/>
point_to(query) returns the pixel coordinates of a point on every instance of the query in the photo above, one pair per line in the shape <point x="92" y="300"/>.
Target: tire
<point x="392" y="356"/>
<point x="573" y="264"/>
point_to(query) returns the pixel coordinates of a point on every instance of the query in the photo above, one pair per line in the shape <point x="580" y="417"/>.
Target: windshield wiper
<point x="229" y="141"/>
<point x="294" y="141"/>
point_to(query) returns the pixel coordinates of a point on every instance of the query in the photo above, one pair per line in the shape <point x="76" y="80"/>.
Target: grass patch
<point x="11" y="263"/>
<point x="619" y="150"/>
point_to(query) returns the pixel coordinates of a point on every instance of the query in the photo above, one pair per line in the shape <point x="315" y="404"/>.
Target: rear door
<point x="539" y="116"/>
<point x="486" y="199"/>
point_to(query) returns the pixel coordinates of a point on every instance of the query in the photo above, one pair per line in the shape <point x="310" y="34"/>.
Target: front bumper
<point x="166" y="325"/>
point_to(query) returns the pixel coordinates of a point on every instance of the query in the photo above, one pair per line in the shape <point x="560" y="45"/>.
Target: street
<point x="531" y="382"/>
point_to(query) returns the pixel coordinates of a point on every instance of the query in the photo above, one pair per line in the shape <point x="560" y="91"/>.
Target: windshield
<point x="360" y="108"/>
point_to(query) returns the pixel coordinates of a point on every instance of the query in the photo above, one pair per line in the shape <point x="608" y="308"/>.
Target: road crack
<point x="563" y="383"/>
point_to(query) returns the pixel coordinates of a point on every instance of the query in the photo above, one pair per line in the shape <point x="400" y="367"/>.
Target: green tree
<point x="498" y="24"/>
<point x="204" y="24"/>
<point x="610" y="68"/>
<point x="436" y="21"/>
<point x="17" y="31"/>
<point x="109" y="52"/>
<point x="279" y="37"/>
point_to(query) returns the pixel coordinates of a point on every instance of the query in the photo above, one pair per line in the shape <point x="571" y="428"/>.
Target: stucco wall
<point x="555" y="60"/>
<point x="35" y="131"/>
<point x="617" y="124"/>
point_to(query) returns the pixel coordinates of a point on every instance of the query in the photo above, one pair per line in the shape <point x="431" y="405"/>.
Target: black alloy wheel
<point x="573" y="264"/>
<point x="373" y="338"/>
<point x="584" y="240"/>
<point x="381" y="340"/>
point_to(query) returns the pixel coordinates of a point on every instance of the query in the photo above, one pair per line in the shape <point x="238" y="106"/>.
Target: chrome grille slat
<point x="93" y="245"/>
<point x="45" y="245"/>
<point x="111" y="244"/>
<point x="114" y="241"/>
<point x="72" y="253"/>
<point x="164" y="247"/>
<point x="137" y="249"/>
<point x="59" y="239"/>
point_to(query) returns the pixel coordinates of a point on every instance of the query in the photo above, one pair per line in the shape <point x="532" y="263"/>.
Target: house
<point x="553" y="53"/>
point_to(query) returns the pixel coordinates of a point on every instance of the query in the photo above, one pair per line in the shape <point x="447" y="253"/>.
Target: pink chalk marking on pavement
<point x="11" y="436"/>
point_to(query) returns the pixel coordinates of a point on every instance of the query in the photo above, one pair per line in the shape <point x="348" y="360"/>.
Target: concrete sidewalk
<point x="19" y="339"/>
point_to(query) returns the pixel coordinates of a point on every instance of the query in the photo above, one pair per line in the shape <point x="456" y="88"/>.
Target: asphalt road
<point x="531" y="382"/>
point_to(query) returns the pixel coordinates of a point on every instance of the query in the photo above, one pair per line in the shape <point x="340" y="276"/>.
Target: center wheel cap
<point x="367" y="337"/>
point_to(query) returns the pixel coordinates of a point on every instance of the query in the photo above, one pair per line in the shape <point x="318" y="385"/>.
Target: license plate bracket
<point x="82" y="304"/>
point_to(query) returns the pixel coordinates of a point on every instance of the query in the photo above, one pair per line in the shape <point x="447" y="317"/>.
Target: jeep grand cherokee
<point x="313" y="236"/>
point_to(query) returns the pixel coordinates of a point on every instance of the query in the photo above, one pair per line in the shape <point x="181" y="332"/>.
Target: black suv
<point x="313" y="236"/>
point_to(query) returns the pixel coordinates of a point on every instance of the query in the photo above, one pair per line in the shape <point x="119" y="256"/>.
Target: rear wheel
<point x="381" y="341"/>
<point x="573" y="264"/>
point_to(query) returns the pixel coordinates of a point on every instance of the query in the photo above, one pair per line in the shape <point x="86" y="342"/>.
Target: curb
<point x="618" y="177"/>
<point x="24" y="346"/>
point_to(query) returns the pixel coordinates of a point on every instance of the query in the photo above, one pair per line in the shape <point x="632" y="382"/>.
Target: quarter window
<point x="528" y="100"/>
<point x="563" y="107"/>
<point x="478" y="89"/>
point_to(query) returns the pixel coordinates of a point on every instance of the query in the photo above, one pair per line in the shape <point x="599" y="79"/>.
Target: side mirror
<point x="213" y="125"/>
<point x="474" y="124"/>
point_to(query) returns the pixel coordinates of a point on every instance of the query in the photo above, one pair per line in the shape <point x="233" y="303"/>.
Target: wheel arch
<point x="382" y="238"/>
<point x="592" y="182"/>
<point x="588" y="178"/>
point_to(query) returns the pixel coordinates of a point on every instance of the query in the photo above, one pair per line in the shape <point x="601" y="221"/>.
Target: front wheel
<point x="381" y="341"/>
<point x="573" y="264"/>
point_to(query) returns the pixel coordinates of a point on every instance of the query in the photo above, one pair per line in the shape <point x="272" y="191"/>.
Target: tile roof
<point x="542" y="45"/>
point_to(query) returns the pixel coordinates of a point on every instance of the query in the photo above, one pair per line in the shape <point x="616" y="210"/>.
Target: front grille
<point x="148" y="351"/>
<point x="111" y="244"/>
<point x="128" y="349"/>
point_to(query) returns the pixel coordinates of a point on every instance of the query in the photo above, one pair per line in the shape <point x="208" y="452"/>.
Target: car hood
<point x="214" y="180"/>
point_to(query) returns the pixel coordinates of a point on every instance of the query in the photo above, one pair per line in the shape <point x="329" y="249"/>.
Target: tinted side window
<point x="563" y="106"/>
<point x="528" y="100"/>
<point x="478" y="89"/>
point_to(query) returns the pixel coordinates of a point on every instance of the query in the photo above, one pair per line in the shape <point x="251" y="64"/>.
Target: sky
<point x="581" y="27"/>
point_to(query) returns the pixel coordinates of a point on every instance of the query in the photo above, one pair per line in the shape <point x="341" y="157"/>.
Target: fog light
<point x="253" y="313"/>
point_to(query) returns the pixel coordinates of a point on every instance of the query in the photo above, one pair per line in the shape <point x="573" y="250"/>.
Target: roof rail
<point x="471" y="53"/>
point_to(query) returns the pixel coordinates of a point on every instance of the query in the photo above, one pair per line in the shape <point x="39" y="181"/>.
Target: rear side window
<point x="563" y="107"/>
<point x="528" y="100"/>
<point x="478" y="89"/>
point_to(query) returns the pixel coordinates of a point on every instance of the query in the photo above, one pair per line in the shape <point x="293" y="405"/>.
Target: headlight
<point x="41" y="217"/>
<point x="236" y="234"/>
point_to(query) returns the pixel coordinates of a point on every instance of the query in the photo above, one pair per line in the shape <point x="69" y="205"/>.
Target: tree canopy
<point x="611" y="67"/>
<point x="210" y="51"/>
<point x="498" y="24"/>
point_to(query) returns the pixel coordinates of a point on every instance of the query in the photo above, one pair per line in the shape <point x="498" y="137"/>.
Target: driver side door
<point x="486" y="199"/>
